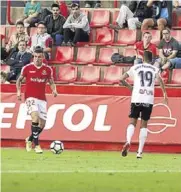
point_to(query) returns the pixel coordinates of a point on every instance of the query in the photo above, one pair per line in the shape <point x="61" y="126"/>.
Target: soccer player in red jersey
<point x="37" y="75"/>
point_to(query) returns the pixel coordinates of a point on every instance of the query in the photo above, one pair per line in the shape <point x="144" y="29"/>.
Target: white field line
<point x="92" y="171"/>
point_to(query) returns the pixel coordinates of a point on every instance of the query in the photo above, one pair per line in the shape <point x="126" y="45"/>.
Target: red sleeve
<point x="50" y="73"/>
<point x="49" y="42"/>
<point x="137" y="45"/>
<point x="24" y="71"/>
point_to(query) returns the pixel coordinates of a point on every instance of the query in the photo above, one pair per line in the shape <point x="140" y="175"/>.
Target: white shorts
<point x="38" y="105"/>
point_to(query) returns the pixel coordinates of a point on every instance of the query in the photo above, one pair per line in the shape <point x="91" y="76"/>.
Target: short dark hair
<point x="75" y="5"/>
<point x="147" y="32"/>
<point x="147" y="56"/>
<point x="21" y="41"/>
<point x="55" y="5"/>
<point x="20" y="23"/>
<point x="38" y="49"/>
<point x="41" y="23"/>
<point x="167" y="29"/>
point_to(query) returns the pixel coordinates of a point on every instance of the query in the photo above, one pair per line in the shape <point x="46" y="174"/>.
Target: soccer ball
<point x="57" y="147"/>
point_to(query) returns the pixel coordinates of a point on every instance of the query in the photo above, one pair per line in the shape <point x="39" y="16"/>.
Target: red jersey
<point x="141" y="49"/>
<point x="36" y="79"/>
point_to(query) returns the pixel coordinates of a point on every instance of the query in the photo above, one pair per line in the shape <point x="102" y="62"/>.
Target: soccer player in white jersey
<point x="142" y="99"/>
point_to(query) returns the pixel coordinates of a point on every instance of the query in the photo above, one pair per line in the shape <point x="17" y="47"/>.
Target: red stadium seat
<point x="100" y="18"/>
<point x="85" y="55"/>
<point x="176" y="77"/>
<point x="66" y="74"/>
<point x="104" y="36"/>
<point x="176" y="34"/>
<point x="89" y="75"/>
<point x="156" y="36"/>
<point x="126" y="37"/>
<point x="5" y="68"/>
<point x="105" y="56"/>
<point x="115" y="15"/>
<point x="112" y="75"/>
<point x="129" y="52"/>
<point x="63" y="55"/>
<point x="3" y="31"/>
<point x="11" y="30"/>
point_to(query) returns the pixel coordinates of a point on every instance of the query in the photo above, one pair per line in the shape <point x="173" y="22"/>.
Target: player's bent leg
<point x="129" y="135"/>
<point x="142" y="138"/>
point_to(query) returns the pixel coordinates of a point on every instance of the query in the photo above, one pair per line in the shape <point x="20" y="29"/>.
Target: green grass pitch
<point x="88" y="171"/>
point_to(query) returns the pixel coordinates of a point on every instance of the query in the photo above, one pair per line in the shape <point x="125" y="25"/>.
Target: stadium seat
<point x="176" y="77"/>
<point x="11" y="30"/>
<point x="3" y="32"/>
<point x="89" y="75"/>
<point x="63" y="55"/>
<point x="100" y="18"/>
<point x="156" y="36"/>
<point x="112" y="75"/>
<point x="176" y="34"/>
<point x="115" y="15"/>
<point x="66" y="74"/>
<point x="126" y="37"/>
<point x="105" y="56"/>
<point x="5" y="68"/>
<point x="129" y="52"/>
<point x="104" y="36"/>
<point x="85" y="55"/>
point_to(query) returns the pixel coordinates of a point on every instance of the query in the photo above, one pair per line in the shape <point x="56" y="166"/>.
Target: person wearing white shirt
<point x="142" y="99"/>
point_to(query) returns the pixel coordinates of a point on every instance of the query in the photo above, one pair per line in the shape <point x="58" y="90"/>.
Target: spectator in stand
<point x="55" y="24"/>
<point x="63" y="7"/>
<point x="144" y="45"/>
<point x="42" y="39"/>
<point x="92" y="4"/>
<point x="169" y="56"/>
<point x="31" y="12"/>
<point x="132" y="15"/>
<point x="76" y="27"/>
<point x="3" y="78"/>
<point x="177" y="3"/>
<point x="161" y="19"/>
<point x="20" y="35"/>
<point x="18" y="60"/>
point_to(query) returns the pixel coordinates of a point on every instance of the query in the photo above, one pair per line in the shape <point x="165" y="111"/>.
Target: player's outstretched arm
<point x="53" y="87"/>
<point x="18" y="87"/>
<point x="124" y="83"/>
<point x="163" y="89"/>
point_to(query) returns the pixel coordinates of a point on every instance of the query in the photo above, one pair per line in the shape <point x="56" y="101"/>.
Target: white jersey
<point x="144" y="76"/>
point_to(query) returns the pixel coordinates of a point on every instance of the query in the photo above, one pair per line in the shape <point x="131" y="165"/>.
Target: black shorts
<point x="141" y="110"/>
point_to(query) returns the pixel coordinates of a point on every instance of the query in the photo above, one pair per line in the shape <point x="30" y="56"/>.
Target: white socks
<point x="142" y="139"/>
<point x="130" y="132"/>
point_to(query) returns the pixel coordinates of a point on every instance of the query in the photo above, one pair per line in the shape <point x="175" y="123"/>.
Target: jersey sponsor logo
<point x="32" y="71"/>
<point x="145" y="91"/>
<point x="38" y="80"/>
